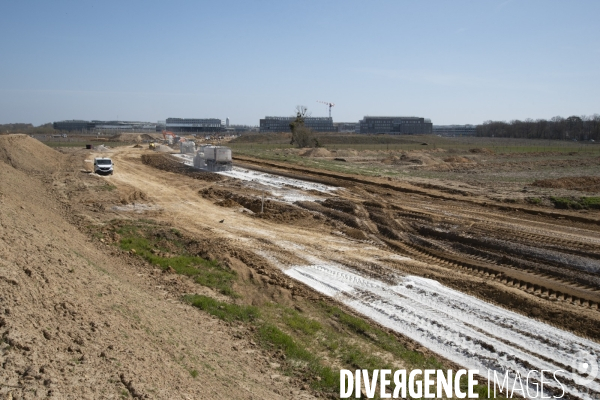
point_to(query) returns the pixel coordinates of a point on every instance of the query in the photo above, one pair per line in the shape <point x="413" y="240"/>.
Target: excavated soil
<point x="168" y="163"/>
<point x="581" y="183"/>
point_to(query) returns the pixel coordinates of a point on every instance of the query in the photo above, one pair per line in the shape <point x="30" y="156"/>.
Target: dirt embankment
<point x="81" y="319"/>
<point x="589" y="184"/>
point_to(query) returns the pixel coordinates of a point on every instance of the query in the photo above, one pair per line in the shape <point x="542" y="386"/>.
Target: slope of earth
<point x="79" y="319"/>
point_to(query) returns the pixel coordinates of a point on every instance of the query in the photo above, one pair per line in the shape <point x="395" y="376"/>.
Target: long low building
<point x="194" y="125"/>
<point x="282" y="124"/>
<point x="454" y="130"/>
<point x="83" y="126"/>
<point x="395" y="125"/>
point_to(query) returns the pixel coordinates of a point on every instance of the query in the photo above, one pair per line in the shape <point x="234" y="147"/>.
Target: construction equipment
<point x="170" y="137"/>
<point x="327" y="104"/>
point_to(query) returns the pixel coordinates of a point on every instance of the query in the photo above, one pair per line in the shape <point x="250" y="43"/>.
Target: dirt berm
<point x="80" y="319"/>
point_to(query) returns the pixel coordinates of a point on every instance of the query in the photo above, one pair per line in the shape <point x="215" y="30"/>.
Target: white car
<point x="103" y="166"/>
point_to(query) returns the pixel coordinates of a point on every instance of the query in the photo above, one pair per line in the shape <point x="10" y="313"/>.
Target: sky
<point x="455" y="62"/>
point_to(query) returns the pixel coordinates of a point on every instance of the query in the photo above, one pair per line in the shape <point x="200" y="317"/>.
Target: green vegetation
<point x="381" y="339"/>
<point x="591" y="202"/>
<point x="272" y="336"/>
<point x="576" y="203"/>
<point x="225" y="311"/>
<point x="534" y="200"/>
<point x="148" y="242"/>
<point x="299" y="323"/>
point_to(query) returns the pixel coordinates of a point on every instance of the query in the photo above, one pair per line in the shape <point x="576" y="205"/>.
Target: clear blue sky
<point x="451" y="61"/>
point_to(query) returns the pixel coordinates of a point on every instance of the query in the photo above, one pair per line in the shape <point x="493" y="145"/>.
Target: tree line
<point x="557" y="128"/>
<point x="27" y="128"/>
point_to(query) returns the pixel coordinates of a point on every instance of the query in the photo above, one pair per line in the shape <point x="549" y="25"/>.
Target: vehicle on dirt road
<point x="103" y="166"/>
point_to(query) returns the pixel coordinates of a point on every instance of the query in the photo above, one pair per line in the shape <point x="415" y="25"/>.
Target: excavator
<point x="173" y="137"/>
<point x="171" y="134"/>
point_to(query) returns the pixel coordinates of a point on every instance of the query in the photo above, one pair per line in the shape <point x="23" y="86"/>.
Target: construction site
<point x="195" y="271"/>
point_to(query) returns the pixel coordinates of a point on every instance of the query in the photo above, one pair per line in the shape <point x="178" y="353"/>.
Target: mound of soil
<point x="456" y="159"/>
<point x="582" y="183"/>
<point x="316" y="152"/>
<point x="166" y="162"/>
<point x="127" y="137"/>
<point x="273" y="210"/>
<point x="481" y="150"/>
<point x="28" y="154"/>
<point x="227" y="203"/>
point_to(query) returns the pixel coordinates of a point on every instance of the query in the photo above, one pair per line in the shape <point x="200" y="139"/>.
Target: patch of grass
<point x="381" y="339"/>
<point x="534" y="200"/>
<point x="565" y="203"/>
<point x="272" y="336"/>
<point x="225" y="311"/>
<point x="355" y="324"/>
<point x="299" y="323"/>
<point x="208" y="273"/>
<point x="576" y="204"/>
<point x="194" y="373"/>
<point x="355" y="357"/>
<point x="591" y="202"/>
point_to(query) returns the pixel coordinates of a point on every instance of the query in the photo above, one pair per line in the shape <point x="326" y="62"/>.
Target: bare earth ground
<point x="84" y="319"/>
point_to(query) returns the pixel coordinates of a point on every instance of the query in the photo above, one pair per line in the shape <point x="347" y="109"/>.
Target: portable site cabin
<point x="213" y="158"/>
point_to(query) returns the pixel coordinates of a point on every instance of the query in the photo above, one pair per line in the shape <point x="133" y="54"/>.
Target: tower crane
<point x="328" y="104"/>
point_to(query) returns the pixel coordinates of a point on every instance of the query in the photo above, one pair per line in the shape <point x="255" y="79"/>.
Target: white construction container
<point x="218" y="154"/>
<point x="187" y="147"/>
<point x="213" y="158"/>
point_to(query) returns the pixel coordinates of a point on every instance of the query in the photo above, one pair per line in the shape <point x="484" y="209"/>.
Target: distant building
<point x="227" y="122"/>
<point x="395" y="125"/>
<point x="454" y="130"/>
<point x="282" y="124"/>
<point x="193" y="125"/>
<point x="79" y="125"/>
<point x="135" y="126"/>
<point x="73" y="125"/>
<point x="346" y="126"/>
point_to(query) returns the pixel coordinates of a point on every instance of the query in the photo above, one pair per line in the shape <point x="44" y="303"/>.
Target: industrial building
<point x="84" y="126"/>
<point x="193" y="125"/>
<point x="73" y="125"/>
<point x="396" y="125"/>
<point x="454" y="130"/>
<point x="282" y="124"/>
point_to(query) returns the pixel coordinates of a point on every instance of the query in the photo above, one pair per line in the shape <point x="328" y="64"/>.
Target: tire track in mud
<point x="539" y="284"/>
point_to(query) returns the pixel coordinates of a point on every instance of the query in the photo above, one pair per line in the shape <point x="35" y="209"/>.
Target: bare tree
<point x="302" y="136"/>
